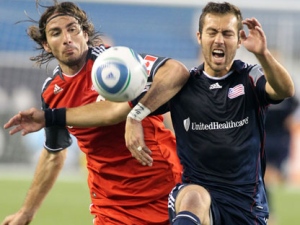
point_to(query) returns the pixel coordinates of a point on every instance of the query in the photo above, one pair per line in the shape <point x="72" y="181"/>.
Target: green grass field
<point x="68" y="202"/>
<point x="286" y="205"/>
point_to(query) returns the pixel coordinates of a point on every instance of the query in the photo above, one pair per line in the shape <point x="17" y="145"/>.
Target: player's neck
<point x="72" y="73"/>
<point x="72" y="70"/>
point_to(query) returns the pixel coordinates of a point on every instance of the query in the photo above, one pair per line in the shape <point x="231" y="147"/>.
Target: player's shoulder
<point x="56" y="76"/>
<point x="244" y="67"/>
<point x="254" y="71"/>
<point x="152" y="59"/>
<point x="153" y="62"/>
<point x="196" y="71"/>
<point x="94" y="52"/>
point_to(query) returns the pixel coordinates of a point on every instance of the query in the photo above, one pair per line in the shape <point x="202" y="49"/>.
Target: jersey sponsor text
<point x="219" y="126"/>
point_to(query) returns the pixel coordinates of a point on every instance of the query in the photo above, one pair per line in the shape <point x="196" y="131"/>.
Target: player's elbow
<point x="291" y="91"/>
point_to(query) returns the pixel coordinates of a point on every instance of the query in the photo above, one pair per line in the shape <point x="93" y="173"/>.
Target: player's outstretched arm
<point x="168" y="80"/>
<point x="48" y="168"/>
<point x="102" y="113"/>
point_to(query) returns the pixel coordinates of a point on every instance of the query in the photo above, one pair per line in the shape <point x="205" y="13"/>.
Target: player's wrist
<point x="55" y="117"/>
<point x="139" y="112"/>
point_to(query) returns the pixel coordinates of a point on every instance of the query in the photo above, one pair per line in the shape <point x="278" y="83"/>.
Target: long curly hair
<point x="37" y="32"/>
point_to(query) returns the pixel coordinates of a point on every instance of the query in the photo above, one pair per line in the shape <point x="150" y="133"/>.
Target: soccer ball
<point x="119" y="74"/>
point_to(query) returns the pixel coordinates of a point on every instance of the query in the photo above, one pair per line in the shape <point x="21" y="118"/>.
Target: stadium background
<point x="162" y="27"/>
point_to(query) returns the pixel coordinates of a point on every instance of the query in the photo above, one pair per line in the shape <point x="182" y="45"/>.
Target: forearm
<point x="47" y="171"/>
<point x="280" y="84"/>
<point x="168" y="80"/>
<point x="101" y="113"/>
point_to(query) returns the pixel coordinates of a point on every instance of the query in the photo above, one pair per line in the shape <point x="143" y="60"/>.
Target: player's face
<point x="66" y="41"/>
<point x="219" y="41"/>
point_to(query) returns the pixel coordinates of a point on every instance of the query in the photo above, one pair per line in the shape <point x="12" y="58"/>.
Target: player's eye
<point x="211" y="34"/>
<point x="73" y="30"/>
<point x="55" y="34"/>
<point x="228" y="34"/>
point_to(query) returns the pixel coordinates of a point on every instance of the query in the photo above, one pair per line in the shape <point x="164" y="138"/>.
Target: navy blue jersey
<point x="219" y="126"/>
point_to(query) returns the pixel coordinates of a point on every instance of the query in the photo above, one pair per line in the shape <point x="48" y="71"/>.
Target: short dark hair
<point x="220" y="8"/>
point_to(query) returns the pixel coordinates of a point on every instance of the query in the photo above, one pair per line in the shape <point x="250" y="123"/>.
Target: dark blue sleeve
<point x="257" y="74"/>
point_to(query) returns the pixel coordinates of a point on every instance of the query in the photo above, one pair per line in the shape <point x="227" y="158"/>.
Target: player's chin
<point x="71" y="60"/>
<point x="218" y="61"/>
<point x="219" y="64"/>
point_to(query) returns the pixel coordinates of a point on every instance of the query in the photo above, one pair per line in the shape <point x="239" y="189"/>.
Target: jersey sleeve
<point x="57" y="138"/>
<point x="257" y="74"/>
<point x="152" y="63"/>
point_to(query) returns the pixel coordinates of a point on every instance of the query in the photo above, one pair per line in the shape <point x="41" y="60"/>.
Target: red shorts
<point x="150" y="214"/>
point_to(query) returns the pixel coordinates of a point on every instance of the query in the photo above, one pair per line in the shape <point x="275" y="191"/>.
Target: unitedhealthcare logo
<point x="186" y="124"/>
<point x="214" y="125"/>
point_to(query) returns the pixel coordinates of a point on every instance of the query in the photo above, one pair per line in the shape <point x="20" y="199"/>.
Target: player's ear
<point x="239" y="41"/>
<point x="86" y="36"/>
<point x="46" y="47"/>
<point x="199" y="37"/>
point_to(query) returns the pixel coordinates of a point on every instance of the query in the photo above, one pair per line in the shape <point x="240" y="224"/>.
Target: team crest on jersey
<point x="236" y="91"/>
<point x="149" y="61"/>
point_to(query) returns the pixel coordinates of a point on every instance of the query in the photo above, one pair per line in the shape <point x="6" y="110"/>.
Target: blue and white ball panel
<point x="113" y="77"/>
<point x="119" y="74"/>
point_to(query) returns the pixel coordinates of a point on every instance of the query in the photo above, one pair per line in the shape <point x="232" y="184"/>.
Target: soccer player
<point x="121" y="190"/>
<point x="218" y="118"/>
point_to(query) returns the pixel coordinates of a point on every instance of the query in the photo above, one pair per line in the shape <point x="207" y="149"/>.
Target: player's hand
<point x="134" y="137"/>
<point x="256" y="41"/>
<point x="28" y="121"/>
<point x="18" y="218"/>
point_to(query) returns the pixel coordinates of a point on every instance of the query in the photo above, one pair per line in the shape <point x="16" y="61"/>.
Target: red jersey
<point x="116" y="179"/>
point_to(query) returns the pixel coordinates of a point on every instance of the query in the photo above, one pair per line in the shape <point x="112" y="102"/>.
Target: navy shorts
<point x="223" y="211"/>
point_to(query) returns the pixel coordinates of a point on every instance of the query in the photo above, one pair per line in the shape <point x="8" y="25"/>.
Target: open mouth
<point x="218" y="53"/>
